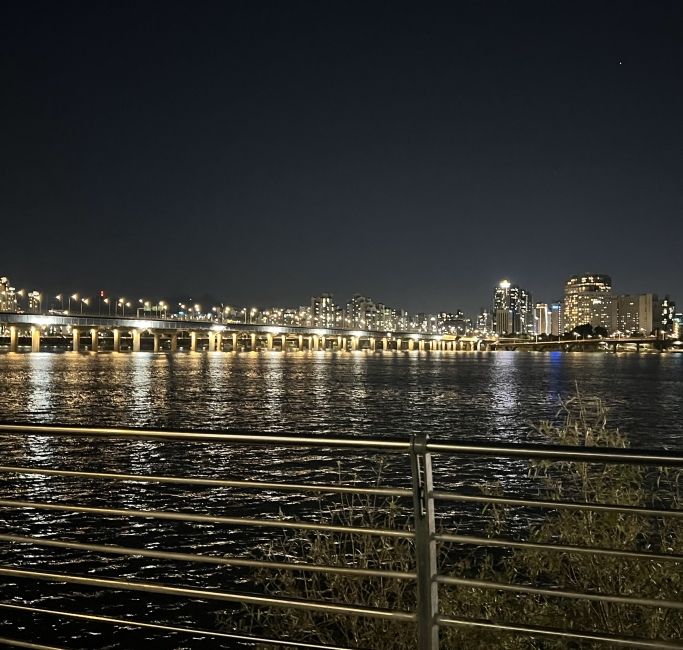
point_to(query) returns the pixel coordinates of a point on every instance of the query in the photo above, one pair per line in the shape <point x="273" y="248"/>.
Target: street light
<point x="84" y="301"/>
<point x="72" y="297"/>
<point x="60" y="297"/>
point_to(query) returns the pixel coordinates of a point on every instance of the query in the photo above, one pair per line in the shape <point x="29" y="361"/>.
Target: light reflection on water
<point x="465" y="396"/>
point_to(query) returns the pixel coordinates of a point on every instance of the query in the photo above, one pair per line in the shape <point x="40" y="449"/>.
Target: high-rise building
<point x="588" y="300"/>
<point x="677" y="328"/>
<point x="667" y="312"/>
<point x="512" y="309"/>
<point x="484" y="321"/>
<point x="323" y="311"/>
<point x="541" y="318"/>
<point x="635" y="314"/>
<point x="556" y="319"/>
<point x="360" y="312"/>
<point x="8" y="296"/>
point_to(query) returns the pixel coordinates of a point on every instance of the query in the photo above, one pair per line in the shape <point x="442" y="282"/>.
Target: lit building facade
<point x="323" y="311"/>
<point x="360" y="312"/>
<point x="556" y="319"/>
<point x="667" y="313"/>
<point x="588" y="300"/>
<point x="512" y="309"/>
<point x="484" y="321"/>
<point x="635" y="314"/>
<point x="541" y="318"/>
<point x="677" y="328"/>
<point x="8" y="296"/>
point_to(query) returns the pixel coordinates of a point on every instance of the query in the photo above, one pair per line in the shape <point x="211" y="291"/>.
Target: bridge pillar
<point x="156" y="341"/>
<point x="174" y="342"/>
<point x="76" y="334"/>
<point x="373" y="343"/>
<point x="421" y="345"/>
<point x="211" y="341"/>
<point x="323" y="343"/>
<point x="117" y="340"/>
<point x="253" y="341"/>
<point x="234" y="341"/>
<point x="310" y="343"/>
<point x="283" y="338"/>
<point x="385" y="344"/>
<point x="13" y="339"/>
<point x="343" y="344"/>
<point x="94" y="342"/>
<point x="269" y="341"/>
<point x="411" y="345"/>
<point x="136" y="340"/>
<point x="399" y="345"/>
<point x="301" y="342"/>
<point x="354" y="343"/>
<point x="193" y="341"/>
<point x="219" y="341"/>
<point x="35" y="339"/>
<point x="316" y="342"/>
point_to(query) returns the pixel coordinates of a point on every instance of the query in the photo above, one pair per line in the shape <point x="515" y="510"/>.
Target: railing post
<point x="425" y="544"/>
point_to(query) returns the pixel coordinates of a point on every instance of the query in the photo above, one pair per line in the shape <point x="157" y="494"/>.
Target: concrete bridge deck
<point x="240" y="335"/>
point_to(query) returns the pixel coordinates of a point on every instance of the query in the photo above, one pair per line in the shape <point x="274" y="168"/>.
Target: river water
<point x="463" y="396"/>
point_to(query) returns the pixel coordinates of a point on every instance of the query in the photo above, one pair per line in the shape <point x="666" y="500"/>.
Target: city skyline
<point x="588" y="301"/>
<point x="271" y="151"/>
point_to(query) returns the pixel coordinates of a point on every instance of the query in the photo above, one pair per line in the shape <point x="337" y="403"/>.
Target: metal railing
<point x="426" y="617"/>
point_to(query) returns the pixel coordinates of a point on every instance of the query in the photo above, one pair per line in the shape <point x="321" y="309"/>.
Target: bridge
<point x="171" y="334"/>
<point x="578" y="343"/>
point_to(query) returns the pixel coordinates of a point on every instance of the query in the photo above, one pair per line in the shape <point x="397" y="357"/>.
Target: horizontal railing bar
<point x="212" y="482"/>
<point x="559" y="593"/>
<point x="197" y="436"/>
<point x="556" y="505"/>
<point x="561" y="453"/>
<point x="99" y="618"/>
<point x="534" y="630"/>
<point x="15" y="643"/>
<point x="209" y="559"/>
<point x="169" y="590"/>
<point x="209" y="519"/>
<point x="565" y="548"/>
<point x="535" y="451"/>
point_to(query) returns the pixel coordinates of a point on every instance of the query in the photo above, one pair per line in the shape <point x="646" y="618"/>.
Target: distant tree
<point x="600" y="331"/>
<point x="584" y="330"/>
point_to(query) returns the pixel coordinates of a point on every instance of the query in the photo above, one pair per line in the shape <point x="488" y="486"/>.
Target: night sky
<point x="414" y="152"/>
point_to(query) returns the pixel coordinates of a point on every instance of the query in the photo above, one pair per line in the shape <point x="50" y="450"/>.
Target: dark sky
<point x="415" y="152"/>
